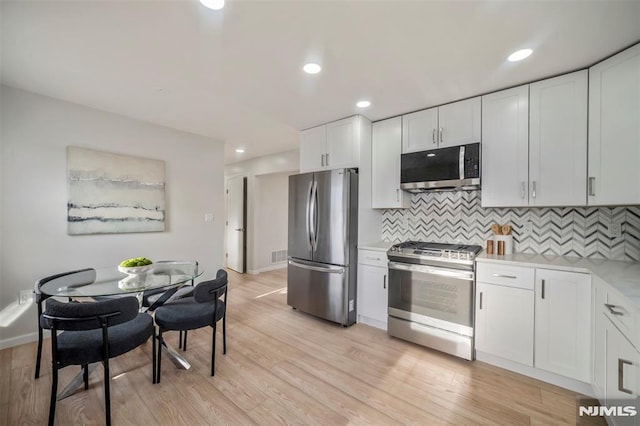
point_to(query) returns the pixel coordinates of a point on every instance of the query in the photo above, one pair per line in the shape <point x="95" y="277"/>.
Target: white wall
<point x="33" y="233"/>
<point x="287" y="162"/>
<point x="270" y="219"/>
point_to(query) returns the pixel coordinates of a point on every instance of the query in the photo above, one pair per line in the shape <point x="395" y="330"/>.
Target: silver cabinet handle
<point x="621" y="363"/>
<point x="322" y="160"/>
<point x="239" y="229"/>
<point x="542" y="295"/>
<point x="591" y="184"/>
<point x="372" y="258"/>
<point x="398" y="195"/>
<point x="480" y="300"/>
<point x="533" y="194"/>
<point x="612" y="309"/>
<point x="513" y="277"/>
<point x="433" y="136"/>
<point x="522" y="190"/>
<point x="327" y="158"/>
<point x="441" y="131"/>
<point x="384" y="281"/>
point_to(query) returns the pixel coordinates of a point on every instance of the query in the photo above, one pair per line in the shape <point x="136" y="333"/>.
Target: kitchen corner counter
<point x="383" y="246"/>
<point x="624" y="276"/>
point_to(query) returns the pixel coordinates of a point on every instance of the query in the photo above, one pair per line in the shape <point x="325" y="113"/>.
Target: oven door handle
<point x="460" y="275"/>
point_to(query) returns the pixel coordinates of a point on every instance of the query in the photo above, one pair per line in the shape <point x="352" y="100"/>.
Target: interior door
<point x="237" y="224"/>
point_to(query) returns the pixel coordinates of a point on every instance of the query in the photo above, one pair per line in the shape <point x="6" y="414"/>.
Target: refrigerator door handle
<point x="315" y="215"/>
<point x="309" y="211"/>
<point x="325" y="269"/>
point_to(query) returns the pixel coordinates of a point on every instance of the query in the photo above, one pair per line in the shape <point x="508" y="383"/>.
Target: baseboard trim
<point x="267" y="268"/>
<point x="20" y="340"/>
<point x="536" y="373"/>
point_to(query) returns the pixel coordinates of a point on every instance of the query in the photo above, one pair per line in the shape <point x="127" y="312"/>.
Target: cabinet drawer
<point x="372" y="257"/>
<point x="507" y="275"/>
<point x="623" y="314"/>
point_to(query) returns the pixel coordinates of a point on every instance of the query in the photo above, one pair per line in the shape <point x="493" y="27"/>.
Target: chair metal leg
<point x="180" y="339"/>
<point x="153" y="356"/>
<point x="213" y="350"/>
<point x="159" y="355"/>
<point x="54" y="391"/>
<point x="107" y="395"/>
<point x="224" y="333"/>
<point x="184" y="342"/>
<point x="85" y="375"/>
<point x="39" y="354"/>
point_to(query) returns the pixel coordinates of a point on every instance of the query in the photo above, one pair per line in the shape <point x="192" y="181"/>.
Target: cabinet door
<point x="563" y="323"/>
<point x="459" y="123"/>
<point x="614" y="130"/>
<point x="372" y="295"/>
<point x="387" y="144"/>
<point x="622" y="367"/>
<point x="343" y="144"/>
<point x="558" y="141"/>
<point x="505" y="148"/>
<point x="313" y="148"/>
<point x="420" y="130"/>
<point x="504" y="322"/>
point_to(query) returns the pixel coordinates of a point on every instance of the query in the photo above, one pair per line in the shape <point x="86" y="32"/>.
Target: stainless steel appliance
<point x="323" y="232"/>
<point x="456" y="167"/>
<point x="431" y="291"/>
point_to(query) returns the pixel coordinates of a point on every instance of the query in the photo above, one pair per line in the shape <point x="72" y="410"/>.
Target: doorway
<point x="237" y="224"/>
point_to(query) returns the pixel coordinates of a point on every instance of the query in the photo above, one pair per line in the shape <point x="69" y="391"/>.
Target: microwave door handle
<point x="461" y="162"/>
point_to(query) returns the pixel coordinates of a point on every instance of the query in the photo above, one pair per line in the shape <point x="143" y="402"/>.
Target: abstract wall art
<point x="113" y="193"/>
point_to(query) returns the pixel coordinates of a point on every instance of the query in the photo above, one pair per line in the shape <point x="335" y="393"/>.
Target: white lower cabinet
<point x="535" y="317"/>
<point x="372" y="288"/>
<point x="504" y="322"/>
<point x="563" y="323"/>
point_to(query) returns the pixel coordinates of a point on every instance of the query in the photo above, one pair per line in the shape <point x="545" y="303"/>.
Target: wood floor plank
<point x="286" y="367"/>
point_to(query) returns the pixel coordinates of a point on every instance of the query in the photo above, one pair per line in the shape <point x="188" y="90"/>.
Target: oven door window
<point x="433" y="292"/>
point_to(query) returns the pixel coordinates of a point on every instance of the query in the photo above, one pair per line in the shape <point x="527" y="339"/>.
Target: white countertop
<point x="376" y="245"/>
<point x="621" y="275"/>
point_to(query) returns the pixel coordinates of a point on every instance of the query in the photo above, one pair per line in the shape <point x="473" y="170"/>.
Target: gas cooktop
<point x="424" y="250"/>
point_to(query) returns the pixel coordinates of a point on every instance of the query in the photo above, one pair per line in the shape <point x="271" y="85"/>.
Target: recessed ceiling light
<point x="363" y="104"/>
<point x="312" y="68"/>
<point x="519" y="55"/>
<point x="213" y="4"/>
<point x="239" y="150"/>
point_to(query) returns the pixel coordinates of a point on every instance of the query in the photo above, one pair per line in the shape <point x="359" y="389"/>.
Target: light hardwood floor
<point x="285" y="367"/>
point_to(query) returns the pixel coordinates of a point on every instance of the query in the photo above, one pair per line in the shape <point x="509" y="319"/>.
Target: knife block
<point x="508" y="243"/>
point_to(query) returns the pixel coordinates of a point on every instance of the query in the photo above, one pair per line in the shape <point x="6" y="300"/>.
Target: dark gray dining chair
<point x="204" y="308"/>
<point x="94" y="332"/>
<point x="68" y="279"/>
<point x="151" y="299"/>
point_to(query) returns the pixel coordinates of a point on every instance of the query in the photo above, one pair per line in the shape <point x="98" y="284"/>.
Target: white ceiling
<point x="235" y="75"/>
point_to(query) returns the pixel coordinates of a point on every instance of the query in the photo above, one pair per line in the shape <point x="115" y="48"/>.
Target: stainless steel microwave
<point x="456" y="167"/>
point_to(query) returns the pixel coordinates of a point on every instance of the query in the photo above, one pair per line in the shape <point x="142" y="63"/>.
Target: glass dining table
<point x="164" y="278"/>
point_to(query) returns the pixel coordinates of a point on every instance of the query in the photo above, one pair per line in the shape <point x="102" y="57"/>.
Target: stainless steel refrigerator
<point x="323" y="233"/>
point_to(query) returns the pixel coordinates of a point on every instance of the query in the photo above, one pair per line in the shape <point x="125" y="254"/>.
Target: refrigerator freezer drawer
<point x="321" y="290"/>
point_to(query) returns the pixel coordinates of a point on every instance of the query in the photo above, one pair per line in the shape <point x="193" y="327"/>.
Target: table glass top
<point x="111" y="281"/>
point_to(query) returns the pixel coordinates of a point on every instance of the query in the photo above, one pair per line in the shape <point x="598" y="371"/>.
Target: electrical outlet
<point x="26" y="296"/>
<point x="528" y="227"/>
<point x="615" y="230"/>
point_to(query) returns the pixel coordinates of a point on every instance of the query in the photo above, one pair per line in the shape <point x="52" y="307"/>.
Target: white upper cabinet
<point x="534" y="144"/>
<point x="313" y="148"/>
<point x="386" y="146"/>
<point x="505" y="140"/>
<point x="558" y="141"/>
<point x="453" y="124"/>
<point x="614" y="130"/>
<point x="334" y="145"/>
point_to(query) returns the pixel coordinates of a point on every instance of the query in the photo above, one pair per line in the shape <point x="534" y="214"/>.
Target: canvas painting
<point x="113" y="193"/>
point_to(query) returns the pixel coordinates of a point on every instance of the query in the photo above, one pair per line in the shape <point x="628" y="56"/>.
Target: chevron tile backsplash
<point x="450" y="217"/>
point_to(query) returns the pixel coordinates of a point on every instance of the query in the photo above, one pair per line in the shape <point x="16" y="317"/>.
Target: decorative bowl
<point x="135" y="270"/>
<point x="136" y="277"/>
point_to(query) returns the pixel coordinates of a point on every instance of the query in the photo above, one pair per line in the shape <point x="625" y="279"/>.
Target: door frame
<point x="244" y="222"/>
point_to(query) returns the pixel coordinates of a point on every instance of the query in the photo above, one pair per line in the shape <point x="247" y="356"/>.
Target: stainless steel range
<point x="431" y="291"/>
